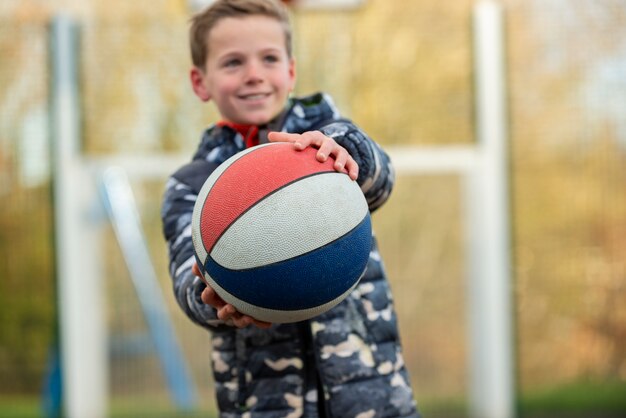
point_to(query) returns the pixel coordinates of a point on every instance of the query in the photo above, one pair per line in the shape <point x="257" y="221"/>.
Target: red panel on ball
<point x="265" y="170"/>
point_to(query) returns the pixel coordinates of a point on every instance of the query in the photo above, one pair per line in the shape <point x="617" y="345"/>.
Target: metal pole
<point x="491" y="365"/>
<point x="120" y="204"/>
<point x="82" y="331"/>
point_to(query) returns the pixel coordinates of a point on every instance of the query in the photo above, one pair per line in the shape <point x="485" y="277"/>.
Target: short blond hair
<point x="203" y="22"/>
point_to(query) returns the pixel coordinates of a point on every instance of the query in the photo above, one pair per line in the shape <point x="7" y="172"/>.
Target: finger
<point x="236" y="318"/>
<point x="307" y="139"/>
<point x="241" y="321"/>
<point x="299" y="141"/>
<point x="229" y="314"/>
<point x="205" y="296"/>
<point x="277" y="136"/>
<point x="341" y="159"/>
<point x="261" y="324"/>
<point x="344" y="163"/>
<point x="196" y="270"/>
<point x="226" y="312"/>
<point x="327" y="147"/>
<point x="246" y="320"/>
<point x="210" y="297"/>
<point x="353" y="168"/>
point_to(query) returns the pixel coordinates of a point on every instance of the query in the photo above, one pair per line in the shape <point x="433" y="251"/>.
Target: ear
<point x="292" y="74"/>
<point x="197" y="76"/>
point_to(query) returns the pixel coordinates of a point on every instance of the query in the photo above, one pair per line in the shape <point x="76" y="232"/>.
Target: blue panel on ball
<point x="306" y="281"/>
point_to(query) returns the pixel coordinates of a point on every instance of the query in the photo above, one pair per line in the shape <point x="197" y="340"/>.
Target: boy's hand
<point x="326" y="146"/>
<point x="225" y="311"/>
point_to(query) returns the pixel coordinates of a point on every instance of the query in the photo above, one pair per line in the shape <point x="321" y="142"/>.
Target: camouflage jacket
<point x="350" y="354"/>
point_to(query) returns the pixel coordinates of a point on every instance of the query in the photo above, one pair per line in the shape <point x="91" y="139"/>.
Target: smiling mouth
<point x="256" y="96"/>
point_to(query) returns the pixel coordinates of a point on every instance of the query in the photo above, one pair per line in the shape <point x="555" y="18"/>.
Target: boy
<point x="346" y="362"/>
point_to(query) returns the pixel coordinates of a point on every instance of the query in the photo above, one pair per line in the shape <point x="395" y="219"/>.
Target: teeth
<point x="255" y="96"/>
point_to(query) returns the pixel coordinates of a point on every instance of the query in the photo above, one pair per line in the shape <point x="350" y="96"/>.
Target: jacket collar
<point x="300" y="115"/>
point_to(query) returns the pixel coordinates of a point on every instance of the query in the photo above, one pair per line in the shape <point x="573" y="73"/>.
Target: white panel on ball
<point x="283" y="221"/>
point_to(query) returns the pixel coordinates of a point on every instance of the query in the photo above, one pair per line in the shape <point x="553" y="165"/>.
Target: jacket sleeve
<point x="181" y="192"/>
<point x="376" y="173"/>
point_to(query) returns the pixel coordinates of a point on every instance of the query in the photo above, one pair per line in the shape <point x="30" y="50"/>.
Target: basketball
<point x="279" y="235"/>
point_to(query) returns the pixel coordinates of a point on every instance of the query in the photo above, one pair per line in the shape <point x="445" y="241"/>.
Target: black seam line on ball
<point x="260" y="200"/>
<point x="299" y="255"/>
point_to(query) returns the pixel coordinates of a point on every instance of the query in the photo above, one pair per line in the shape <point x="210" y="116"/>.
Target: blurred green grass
<point x="575" y="400"/>
<point x="31" y="407"/>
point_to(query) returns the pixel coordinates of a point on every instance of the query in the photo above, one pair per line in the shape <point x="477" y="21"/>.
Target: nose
<point x="254" y="72"/>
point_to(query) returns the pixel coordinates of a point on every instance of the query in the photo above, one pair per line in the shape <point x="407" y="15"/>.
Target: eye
<point x="232" y="62"/>
<point x="271" y="58"/>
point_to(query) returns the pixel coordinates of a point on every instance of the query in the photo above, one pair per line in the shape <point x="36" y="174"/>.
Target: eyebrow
<point x="237" y="53"/>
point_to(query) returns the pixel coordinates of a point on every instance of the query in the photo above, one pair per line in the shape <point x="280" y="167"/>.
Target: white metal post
<point x="80" y="293"/>
<point x="491" y="364"/>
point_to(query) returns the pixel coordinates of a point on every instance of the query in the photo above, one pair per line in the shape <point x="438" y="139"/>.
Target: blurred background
<point x="403" y="71"/>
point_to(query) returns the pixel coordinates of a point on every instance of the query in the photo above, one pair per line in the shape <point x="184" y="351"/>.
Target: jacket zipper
<point x="312" y="362"/>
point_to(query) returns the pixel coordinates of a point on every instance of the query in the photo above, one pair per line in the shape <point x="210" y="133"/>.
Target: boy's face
<point x="248" y="73"/>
